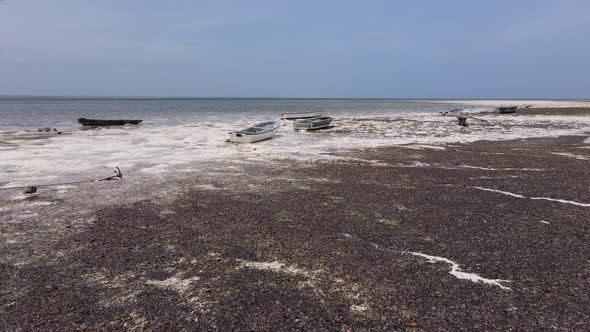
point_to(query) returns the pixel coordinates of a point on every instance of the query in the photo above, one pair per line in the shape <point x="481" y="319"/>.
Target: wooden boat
<point x="507" y="110"/>
<point x="256" y="133"/>
<point x="320" y="122"/>
<point x="300" y="115"/>
<point x="101" y="122"/>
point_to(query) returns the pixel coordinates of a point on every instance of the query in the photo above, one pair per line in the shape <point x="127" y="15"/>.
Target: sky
<point x="302" y="48"/>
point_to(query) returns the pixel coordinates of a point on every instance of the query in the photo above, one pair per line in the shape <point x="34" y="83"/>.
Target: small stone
<point x="59" y="132"/>
<point x="30" y="190"/>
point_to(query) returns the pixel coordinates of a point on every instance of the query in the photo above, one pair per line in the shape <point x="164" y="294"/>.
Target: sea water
<point x="179" y="134"/>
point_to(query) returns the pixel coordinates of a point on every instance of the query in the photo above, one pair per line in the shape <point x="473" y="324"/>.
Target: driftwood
<point x="33" y="189"/>
<point x="118" y="175"/>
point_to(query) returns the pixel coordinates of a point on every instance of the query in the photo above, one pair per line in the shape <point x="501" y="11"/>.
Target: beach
<point x="487" y="235"/>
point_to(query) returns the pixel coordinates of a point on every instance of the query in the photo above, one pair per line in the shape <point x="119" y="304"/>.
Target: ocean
<point x="179" y="134"/>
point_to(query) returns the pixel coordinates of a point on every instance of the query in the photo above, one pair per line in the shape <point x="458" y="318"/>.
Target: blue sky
<point x="278" y="48"/>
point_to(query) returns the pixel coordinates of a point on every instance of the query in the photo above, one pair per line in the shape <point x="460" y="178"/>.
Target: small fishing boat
<point x="320" y="122"/>
<point x="507" y="110"/>
<point x="101" y="122"/>
<point x="443" y="113"/>
<point x="300" y="115"/>
<point x="256" y="133"/>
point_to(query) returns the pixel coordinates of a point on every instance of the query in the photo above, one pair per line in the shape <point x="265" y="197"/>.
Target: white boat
<point x="320" y="122"/>
<point x="300" y="115"/>
<point x="256" y="133"/>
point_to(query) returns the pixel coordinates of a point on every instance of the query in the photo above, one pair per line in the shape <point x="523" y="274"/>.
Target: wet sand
<point x="327" y="245"/>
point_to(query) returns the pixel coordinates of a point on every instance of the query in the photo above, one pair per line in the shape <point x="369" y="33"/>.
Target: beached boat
<point x="507" y="110"/>
<point x="443" y="113"/>
<point x="102" y="122"/>
<point x="256" y="133"/>
<point x="300" y="115"/>
<point x="320" y="122"/>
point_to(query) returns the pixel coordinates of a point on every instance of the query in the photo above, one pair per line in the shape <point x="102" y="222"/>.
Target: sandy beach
<point x="294" y="166"/>
<point x="489" y="235"/>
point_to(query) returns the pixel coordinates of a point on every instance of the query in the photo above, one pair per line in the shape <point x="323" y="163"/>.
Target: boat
<point x="256" y="133"/>
<point x="102" y="122"/>
<point x="300" y="115"/>
<point x="320" y="122"/>
<point x="507" y="109"/>
<point x="443" y="113"/>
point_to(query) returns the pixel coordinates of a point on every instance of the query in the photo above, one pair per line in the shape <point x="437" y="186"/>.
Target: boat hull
<point x="252" y="138"/>
<point x="257" y="133"/>
<point x="313" y="123"/>
<point x="99" y="122"/>
<point x="507" y="110"/>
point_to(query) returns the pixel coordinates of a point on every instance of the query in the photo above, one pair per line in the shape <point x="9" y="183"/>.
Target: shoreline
<point x="368" y="240"/>
<point x="144" y="152"/>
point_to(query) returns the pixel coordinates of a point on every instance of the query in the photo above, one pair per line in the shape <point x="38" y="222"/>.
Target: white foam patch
<point x="499" y="192"/>
<point x="571" y="155"/>
<point x="534" y="198"/>
<point x="359" y="308"/>
<point x="500" y="169"/>
<point x="413" y="164"/>
<point x="561" y="201"/>
<point x="207" y="187"/>
<point x="543" y="222"/>
<point x="274" y="266"/>
<point x="27" y="215"/>
<point x="424" y="146"/>
<point x="41" y="203"/>
<point x="456" y="270"/>
<point x="174" y="283"/>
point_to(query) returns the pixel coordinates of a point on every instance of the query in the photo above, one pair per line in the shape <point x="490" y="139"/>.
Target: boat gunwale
<point x="319" y="122"/>
<point x="278" y="125"/>
<point x="300" y="115"/>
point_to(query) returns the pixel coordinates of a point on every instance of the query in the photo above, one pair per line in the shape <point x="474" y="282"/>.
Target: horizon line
<point x="276" y="98"/>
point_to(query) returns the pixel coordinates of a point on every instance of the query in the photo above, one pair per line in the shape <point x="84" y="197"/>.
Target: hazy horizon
<point x="24" y="96"/>
<point x="306" y="50"/>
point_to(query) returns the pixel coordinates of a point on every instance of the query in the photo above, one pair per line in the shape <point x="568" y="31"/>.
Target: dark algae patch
<point x="300" y="246"/>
